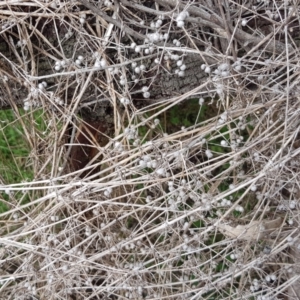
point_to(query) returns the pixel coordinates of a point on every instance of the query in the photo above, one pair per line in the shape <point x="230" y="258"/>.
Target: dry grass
<point x="210" y="211"/>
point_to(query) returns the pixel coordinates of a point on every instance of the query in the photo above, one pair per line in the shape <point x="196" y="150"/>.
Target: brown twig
<point x="107" y="18"/>
<point x="215" y="22"/>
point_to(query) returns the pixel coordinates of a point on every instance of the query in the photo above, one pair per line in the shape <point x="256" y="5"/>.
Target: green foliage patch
<point x="185" y="114"/>
<point x="14" y="149"/>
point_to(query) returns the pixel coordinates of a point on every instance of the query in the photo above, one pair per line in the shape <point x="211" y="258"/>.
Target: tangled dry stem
<point x="210" y="211"/>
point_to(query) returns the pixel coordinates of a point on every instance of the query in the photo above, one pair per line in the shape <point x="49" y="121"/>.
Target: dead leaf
<point x="255" y="230"/>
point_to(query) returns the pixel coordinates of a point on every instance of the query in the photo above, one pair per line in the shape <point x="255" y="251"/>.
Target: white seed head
<point x="180" y="23"/>
<point x="209" y="154"/>
<point x="97" y="64"/>
<point x="224" y="143"/>
<point x="174" y="56"/>
<point x="181" y="73"/>
<point x="158" y="23"/>
<point x="146" y="158"/>
<point x="153" y="37"/>
<point x="125" y="101"/>
<point x="292" y="204"/>
<point x="224" y="73"/>
<point x="207" y="69"/>
<point x="182" y="16"/>
<point x="137" y="49"/>
<point x="183" y="67"/>
<point x="103" y="63"/>
<point x="260" y="78"/>
<point x="142" y="163"/>
<point x="244" y="22"/>
<point x="161" y="172"/>
<point x="223" y="116"/>
<point x="153" y="164"/>
<point x="146" y="95"/>
<point x="232" y="256"/>
<point x="273" y="277"/>
<point x="223" y="67"/>
<point x="179" y="63"/>
<point x="107" y="3"/>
